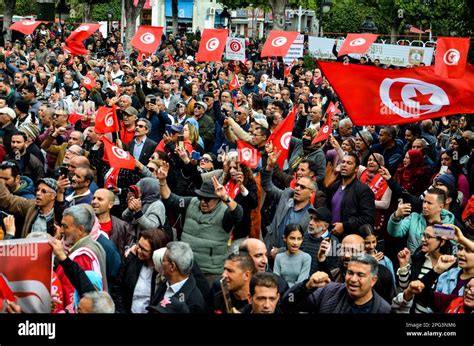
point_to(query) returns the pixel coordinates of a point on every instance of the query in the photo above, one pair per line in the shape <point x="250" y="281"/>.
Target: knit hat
<point x="31" y="130"/>
<point x="447" y="180"/>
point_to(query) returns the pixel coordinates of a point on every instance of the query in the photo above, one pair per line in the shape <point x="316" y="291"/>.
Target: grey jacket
<point x="317" y="156"/>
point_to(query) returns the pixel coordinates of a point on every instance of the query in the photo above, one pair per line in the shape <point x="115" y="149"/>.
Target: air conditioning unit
<point x="211" y="11"/>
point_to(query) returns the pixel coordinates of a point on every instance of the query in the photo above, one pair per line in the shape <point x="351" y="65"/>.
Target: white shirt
<point x="174" y="288"/>
<point x="142" y="292"/>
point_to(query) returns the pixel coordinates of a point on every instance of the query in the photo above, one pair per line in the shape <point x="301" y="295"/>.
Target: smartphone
<point x="406" y="197"/>
<point x="181" y="141"/>
<point x="195" y="155"/>
<point x="63" y="171"/>
<point x="380" y="245"/>
<point x="443" y="170"/>
<point x="226" y="296"/>
<point x="444" y="231"/>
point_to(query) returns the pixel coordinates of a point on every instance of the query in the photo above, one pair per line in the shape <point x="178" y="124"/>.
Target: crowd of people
<point x="347" y="225"/>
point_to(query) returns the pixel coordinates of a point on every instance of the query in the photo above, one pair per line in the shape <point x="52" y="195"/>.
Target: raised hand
<point x="404" y="209"/>
<point x="324" y="249"/>
<point x="318" y="280"/>
<point x="404" y="257"/>
<point x="9" y="223"/>
<point x="444" y="263"/>
<point x="58" y="249"/>
<point x="162" y="173"/>
<point x="384" y="173"/>
<point x="219" y="189"/>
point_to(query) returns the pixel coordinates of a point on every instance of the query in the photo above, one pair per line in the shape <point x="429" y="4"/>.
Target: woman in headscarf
<point x="145" y="211"/>
<point x="372" y="178"/>
<point x="412" y="173"/>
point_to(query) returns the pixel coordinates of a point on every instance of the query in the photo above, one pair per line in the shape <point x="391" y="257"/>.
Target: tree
<point x="7" y="18"/>
<point x="131" y="15"/>
<point x="174" y="12"/>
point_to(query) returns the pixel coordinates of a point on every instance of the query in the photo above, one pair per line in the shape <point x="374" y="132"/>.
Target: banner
<point x="388" y="54"/>
<point x="235" y="49"/>
<point x="296" y="50"/>
<point x="27" y="265"/>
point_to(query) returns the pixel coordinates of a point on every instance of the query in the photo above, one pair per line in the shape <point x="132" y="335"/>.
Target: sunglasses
<point x="151" y="169"/>
<point x="205" y="160"/>
<point x="238" y="113"/>
<point x="201" y="107"/>
<point x="141" y="126"/>
<point x="205" y="199"/>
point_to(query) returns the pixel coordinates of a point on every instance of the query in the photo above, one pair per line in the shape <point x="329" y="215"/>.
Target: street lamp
<point x="324" y="6"/>
<point x="369" y="26"/>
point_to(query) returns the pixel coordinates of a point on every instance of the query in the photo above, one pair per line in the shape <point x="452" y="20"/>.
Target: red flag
<point x="115" y="87"/>
<point x="357" y="43"/>
<point x="332" y="110"/>
<point x="324" y="131"/>
<point x="392" y="97"/>
<point x="106" y="120"/>
<point x="451" y="56"/>
<point x="117" y="157"/>
<point x="74" y="118"/>
<point x="170" y="58"/>
<point x="248" y="154"/>
<point x="234" y="83"/>
<point x="288" y="69"/>
<point x="278" y="43"/>
<point x="281" y="137"/>
<point x="27" y="266"/>
<point x="26" y="27"/>
<point x="236" y="105"/>
<point x="88" y="82"/>
<point x="147" y="38"/>
<point x="415" y="30"/>
<point x="74" y="41"/>
<point x="212" y="44"/>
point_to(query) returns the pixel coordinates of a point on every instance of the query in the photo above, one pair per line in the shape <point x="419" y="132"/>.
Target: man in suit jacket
<point x="177" y="263"/>
<point x="142" y="147"/>
<point x="170" y="100"/>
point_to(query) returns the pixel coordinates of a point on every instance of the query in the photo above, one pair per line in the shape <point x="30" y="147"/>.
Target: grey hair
<point x="424" y="143"/>
<point x="181" y="254"/>
<point x="345" y="121"/>
<point x="81" y="216"/>
<point x="369" y="260"/>
<point x="102" y="302"/>
<point x="366" y="136"/>
<point x="82" y="138"/>
<point x="147" y="123"/>
<point x="126" y="97"/>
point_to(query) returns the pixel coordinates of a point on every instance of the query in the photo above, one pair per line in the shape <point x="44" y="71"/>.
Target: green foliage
<point x="100" y="10"/>
<point x="26" y="8"/>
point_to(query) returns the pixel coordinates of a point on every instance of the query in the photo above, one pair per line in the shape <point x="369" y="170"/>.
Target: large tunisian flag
<point x="374" y="96"/>
<point x="27" y="266"/>
<point x="212" y="44"/>
<point x="357" y="43"/>
<point x="278" y="43"/>
<point x="74" y="41"/>
<point x="147" y="38"/>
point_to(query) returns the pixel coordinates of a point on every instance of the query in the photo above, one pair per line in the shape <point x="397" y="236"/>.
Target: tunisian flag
<point x="147" y="38"/>
<point x="74" y="41"/>
<point x="234" y="83"/>
<point x="106" y="120"/>
<point x="281" y="137"/>
<point x="117" y="157"/>
<point x="324" y="131"/>
<point x="27" y="268"/>
<point x="374" y="96"/>
<point x="278" y="43"/>
<point x="212" y="44"/>
<point x="248" y="154"/>
<point x="451" y="56"/>
<point x="357" y="43"/>
<point x="88" y="82"/>
<point x="25" y="26"/>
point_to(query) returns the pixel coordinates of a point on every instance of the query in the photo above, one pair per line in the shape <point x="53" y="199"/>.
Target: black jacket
<point x="190" y="292"/>
<point x="358" y="205"/>
<point x="122" y="293"/>
<point x="148" y="149"/>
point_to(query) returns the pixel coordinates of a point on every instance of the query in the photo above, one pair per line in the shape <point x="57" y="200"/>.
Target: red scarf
<point x="232" y="188"/>
<point x="378" y="184"/>
<point x="456" y="306"/>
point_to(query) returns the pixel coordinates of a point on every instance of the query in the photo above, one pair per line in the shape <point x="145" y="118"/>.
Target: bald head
<point x="352" y="244"/>
<point x="257" y="251"/>
<point x="102" y="202"/>
<point x="80" y="161"/>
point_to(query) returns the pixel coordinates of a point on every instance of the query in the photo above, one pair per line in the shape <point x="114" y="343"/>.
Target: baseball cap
<point x="202" y="104"/>
<point x="177" y="128"/>
<point x="8" y="111"/>
<point x="50" y="182"/>
<point x="322" y="213"/>
<point x="131" y="111"/>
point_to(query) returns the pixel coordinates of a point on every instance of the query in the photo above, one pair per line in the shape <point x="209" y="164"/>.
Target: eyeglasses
<point x="141" y="126"/>
<point x="151" y="169"/>
<point x="302" y="187"/>
<point x="238" y="113"/>
<point x="44" y="191"/>
<point x="198" y="107"/>
<point x="205" y="160"/>
<point x="428" y="236"/>
<point x="469" y="289"/>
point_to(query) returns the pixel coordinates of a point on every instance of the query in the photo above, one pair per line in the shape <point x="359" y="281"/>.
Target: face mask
<point x="306" y="142"/>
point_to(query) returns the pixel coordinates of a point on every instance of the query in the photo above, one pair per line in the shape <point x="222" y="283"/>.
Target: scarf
<point x="150" y="192"/>
<point x="407" y="175"/>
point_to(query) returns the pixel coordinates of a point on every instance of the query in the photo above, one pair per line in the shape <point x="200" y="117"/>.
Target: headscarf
<point x="150" y="192"/>
<point x="407" y="175"/>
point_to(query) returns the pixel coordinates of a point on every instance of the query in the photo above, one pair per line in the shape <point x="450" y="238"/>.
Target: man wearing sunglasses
<point x="208" y="220"/>
<point x="206" y="124"/>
